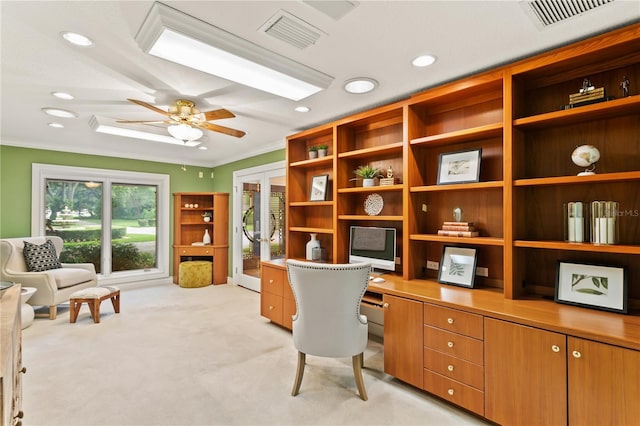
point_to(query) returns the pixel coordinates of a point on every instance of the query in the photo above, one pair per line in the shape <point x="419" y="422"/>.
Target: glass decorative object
<point x="206" y="239"/>
<point x="575" y="221"/>
<point x="604" y="222"/>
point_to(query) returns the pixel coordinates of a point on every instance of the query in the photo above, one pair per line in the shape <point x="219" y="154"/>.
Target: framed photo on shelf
<point x="459" y="167"/>
<point x="319" y="188"/>
<point x="592" y="286"/>
<point x="458" y="266"/>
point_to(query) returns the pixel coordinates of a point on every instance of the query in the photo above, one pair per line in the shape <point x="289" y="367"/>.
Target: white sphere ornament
<point x="586" y="156"/>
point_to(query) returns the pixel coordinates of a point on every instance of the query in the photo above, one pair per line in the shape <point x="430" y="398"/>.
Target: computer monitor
<point x="373" y="245"/>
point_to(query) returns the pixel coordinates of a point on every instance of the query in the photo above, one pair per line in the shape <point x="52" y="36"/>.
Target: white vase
<point x="313" y="243"/>
<point x="206" y="239"/>
<point x="368" y="182"/>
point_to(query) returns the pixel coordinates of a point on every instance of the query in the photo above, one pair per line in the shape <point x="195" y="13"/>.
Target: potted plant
<point x="322" y="150"/>
<point x="313" y="151"/>
<point x="207" y="216"/>
<point x="368" y="174"/>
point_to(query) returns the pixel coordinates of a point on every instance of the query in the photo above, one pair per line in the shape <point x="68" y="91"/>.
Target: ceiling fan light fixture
<point x="177" y="37"/>
<point x="184" y="132"/>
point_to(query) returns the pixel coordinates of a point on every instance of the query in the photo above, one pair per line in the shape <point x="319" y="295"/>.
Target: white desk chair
<point x="327" y="322"/>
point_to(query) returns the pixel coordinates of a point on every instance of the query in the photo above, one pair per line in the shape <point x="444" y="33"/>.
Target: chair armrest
<point x="88" y="266"/>
<point x="40" y="280"/>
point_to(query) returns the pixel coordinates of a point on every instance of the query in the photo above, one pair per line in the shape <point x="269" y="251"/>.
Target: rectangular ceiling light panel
<point x="109" y="126"/>
<point x="172" y="35"/>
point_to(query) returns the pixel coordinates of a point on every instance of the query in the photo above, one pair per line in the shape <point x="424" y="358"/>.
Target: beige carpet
<point x="201" y="356"/>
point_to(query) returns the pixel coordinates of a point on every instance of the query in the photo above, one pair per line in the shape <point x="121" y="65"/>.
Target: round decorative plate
<point x="373" y="204"/>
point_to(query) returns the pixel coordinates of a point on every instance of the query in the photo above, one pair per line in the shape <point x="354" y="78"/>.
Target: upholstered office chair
<point x="327" y="322"/>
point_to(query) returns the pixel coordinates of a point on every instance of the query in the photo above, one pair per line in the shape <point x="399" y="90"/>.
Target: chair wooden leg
<point x="53" y="311"/>
<point x="358" y="362"/>
<point x="299" y="374"/>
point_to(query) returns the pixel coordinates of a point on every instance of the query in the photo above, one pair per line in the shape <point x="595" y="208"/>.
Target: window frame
<point x="41" y="172"/>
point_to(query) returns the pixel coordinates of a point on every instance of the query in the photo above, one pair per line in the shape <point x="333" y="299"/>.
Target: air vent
<point x="291" y="29"/>
<point x="553" y="11"/>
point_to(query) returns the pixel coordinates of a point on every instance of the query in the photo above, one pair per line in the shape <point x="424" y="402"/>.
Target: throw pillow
<point x="40" y="257"/>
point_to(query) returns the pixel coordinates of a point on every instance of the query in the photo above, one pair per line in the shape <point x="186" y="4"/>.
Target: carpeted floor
<point x="201" y="356"/>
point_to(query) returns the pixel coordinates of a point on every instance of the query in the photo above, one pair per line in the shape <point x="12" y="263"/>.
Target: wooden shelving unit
<point x="189" y="227"/>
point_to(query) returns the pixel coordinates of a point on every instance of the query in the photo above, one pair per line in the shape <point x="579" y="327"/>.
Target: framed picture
<point x="458" y="266"/>
<point x="459" y="167"/>
<point x="319" y="188"/>
<point x="593" y="286"/>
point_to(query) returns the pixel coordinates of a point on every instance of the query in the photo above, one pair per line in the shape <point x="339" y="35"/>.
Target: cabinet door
<point x="604" y="383"/>
<point x="525" y="375"/>
<point x="403" y="339"/>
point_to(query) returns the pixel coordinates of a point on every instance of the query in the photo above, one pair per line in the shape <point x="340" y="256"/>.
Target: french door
<point x="258" y="221"/>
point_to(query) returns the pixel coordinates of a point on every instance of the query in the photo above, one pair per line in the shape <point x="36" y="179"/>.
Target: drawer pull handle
<point x="270" y="281"/>
<point x="450" y="344"/>
<point x="450" y="320"/>
<point x="450" y="367"/>
<point x="450" y="392"/>
<point x="385" y="305"/>
<point x="555" y="348"/>
<point x="576" y="354"/>
<point x="271" y="308"/>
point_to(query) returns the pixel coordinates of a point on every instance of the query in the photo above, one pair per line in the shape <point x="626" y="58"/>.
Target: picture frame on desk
<point x="458" y="266"/>
<point x="592" y="286"/>
<point x="459" y="166"/>
<point x="319" y="188"/>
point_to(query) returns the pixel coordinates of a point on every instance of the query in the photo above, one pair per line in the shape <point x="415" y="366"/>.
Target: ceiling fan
<point x="185" y="119"/>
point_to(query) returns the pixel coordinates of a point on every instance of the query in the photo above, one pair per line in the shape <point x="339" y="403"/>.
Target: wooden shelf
<point x="481" y="132"/>
<point x="458" y="187"/>
<point x="561" y="245"/>
<point x="484" y="241"/>
<point x="313" y="162"/>
<point x="310" y="203"/>
<point x="377" y="150"/>
<point x="309" y="230"/>
<point x="359" y="189"/>
<point x="572" y="180"/>
<point x="367" y="217"/>
<point x="616" y="107"/>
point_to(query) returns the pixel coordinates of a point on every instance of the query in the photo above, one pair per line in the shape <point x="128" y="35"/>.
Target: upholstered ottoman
<point x="93" y="296"/>
<point x="195" y="273"/>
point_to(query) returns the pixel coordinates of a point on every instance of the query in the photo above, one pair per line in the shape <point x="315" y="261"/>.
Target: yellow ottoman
<point x="195" y="273"/>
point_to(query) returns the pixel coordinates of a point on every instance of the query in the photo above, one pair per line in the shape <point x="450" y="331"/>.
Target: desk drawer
<point x="455" y="392"/>
<point x="454" y="320"/>
<point x="454" y="368"/>
<point x="271" y="307"/>
<point x="273" y="280"/>
<point x="195" y="251"/>
<point x="460" y="346"/>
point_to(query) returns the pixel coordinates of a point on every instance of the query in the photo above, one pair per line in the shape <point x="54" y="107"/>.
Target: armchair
<point x="53" y="286"/>
<point x="327" y="322"/>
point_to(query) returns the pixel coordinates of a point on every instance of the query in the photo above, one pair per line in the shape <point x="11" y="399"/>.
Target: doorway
<point x="258" y="221"/>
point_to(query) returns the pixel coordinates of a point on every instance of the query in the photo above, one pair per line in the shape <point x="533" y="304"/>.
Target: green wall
<point x="15" y="179"/>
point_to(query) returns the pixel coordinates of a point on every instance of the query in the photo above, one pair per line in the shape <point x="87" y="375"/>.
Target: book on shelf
<point x="458" y="233"/>
<point x="457" y="223"/>
<point x="458" y="228"/>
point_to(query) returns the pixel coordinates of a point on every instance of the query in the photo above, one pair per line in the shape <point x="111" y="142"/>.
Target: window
<point x="117" y="220"/>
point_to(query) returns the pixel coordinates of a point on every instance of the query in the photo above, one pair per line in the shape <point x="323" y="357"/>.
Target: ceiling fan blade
<point x="143" y="121"/>
<point x="217" y="114"/>
<point x="221" y="129"/>
<point x="146" y="105"/>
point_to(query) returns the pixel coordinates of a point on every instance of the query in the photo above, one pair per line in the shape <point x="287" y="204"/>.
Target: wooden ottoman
<point x="195" y="273"/>
<point x="93" y="296"/>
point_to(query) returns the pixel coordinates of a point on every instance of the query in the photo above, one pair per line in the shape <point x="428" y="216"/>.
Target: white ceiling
<point x="376" y="39"/>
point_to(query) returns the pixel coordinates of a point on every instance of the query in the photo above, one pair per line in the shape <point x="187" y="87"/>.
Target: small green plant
<point x="313" y="148"/>
<point x="367" y="172"/>
<point x="319" y="147"/>
<point x="207" y="214"/>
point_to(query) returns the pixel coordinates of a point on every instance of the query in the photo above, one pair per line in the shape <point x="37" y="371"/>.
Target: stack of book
<point x="458" y="229"/>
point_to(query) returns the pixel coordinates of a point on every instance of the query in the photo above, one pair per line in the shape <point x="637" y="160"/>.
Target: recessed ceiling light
<point x="57" y="112"/>
<point x="302" y="109"/>
<point x="62" y="95"/>
<point x="77" y="39"/>
<point x="423" y="61"/>
<point x="360" y="85"/>
<point x="56" y="125"/>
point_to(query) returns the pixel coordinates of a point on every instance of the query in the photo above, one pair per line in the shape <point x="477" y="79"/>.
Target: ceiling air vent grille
<point x="553" y="11"/>
<point x="291" y="29"/>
